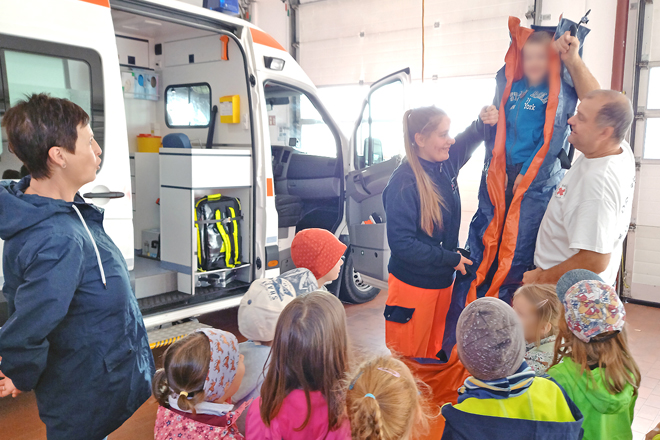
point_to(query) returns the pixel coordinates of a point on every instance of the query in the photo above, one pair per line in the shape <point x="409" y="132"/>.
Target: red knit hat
<point x="317" y="250"/>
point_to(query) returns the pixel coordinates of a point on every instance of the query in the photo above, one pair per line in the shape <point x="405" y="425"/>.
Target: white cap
<point x="266" y="298"/>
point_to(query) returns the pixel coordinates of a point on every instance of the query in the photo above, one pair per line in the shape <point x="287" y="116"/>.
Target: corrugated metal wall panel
<point x="471" y="39"/>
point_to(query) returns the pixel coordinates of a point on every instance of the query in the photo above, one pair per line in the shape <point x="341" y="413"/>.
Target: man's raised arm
<point x="583" y="80"/>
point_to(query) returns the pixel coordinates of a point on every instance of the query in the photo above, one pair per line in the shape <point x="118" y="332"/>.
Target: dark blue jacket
<point x="555" y="416"/>
<point x="80" y="346"/>
<point x="418" y="259"/>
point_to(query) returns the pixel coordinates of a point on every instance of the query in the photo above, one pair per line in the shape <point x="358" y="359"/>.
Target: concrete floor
<point x="19" y="419"/>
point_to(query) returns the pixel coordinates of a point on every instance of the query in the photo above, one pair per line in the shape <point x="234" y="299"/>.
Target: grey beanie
<point x="571" y="278"/>
<point x="490" y="339"/>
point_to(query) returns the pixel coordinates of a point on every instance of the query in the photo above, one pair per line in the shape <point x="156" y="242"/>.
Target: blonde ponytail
<point x="385" y="402"/>
<point x="423" y="120"/>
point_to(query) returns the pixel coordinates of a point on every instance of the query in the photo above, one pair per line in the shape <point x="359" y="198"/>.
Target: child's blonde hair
<point x="385" y="402"/>
<point x="548" y="307"/>
<point x="608" y="351"/>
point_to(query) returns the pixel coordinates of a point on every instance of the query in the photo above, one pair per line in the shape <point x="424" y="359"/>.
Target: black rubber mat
<point x="175" y="300"/>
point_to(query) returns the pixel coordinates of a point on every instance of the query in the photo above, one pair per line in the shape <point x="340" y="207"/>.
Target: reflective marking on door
<point x="105" y="3"/>
<point x="269" y="187"/>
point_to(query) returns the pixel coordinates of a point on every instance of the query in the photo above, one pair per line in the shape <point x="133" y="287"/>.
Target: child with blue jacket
<point x="503" y="399"/>
<point x="525" y="110"/>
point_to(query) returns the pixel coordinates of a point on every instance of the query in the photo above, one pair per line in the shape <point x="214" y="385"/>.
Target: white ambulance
<point x="156" y="67"/>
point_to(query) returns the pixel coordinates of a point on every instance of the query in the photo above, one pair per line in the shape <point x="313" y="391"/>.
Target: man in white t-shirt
<point x="587" y="218"/>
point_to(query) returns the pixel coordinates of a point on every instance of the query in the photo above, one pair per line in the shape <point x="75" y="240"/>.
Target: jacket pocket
<point x="118" y="355"/>
<point x="398" y="314"/>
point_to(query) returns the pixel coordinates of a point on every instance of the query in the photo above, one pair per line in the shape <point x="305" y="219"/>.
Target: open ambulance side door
<point x="377" y="149"/>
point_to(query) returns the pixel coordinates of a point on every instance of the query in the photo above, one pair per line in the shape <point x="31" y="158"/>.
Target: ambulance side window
<point x="60" y="71"/>
<point x="294" y="121"/>
<point x="380" y="134"/>
<point x="188" y="105"/>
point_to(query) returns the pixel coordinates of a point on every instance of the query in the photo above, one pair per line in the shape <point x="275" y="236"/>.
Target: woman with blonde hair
<point x="423" y="210"/>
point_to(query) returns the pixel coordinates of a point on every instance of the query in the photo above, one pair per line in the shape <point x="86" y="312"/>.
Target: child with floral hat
<point x="200" y="374"/>
<point x="596" y="370"/>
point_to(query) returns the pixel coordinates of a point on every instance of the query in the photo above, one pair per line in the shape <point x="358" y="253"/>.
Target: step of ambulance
<point x="172" y="306"/>
<point x="149" y="279"/>
<point x="166" y="335"/>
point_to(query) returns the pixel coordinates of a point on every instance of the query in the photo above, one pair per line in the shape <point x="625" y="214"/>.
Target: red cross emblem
<point x="561" y="191"/>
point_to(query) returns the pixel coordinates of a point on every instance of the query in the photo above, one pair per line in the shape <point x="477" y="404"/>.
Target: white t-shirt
<point x="589" y="210"/>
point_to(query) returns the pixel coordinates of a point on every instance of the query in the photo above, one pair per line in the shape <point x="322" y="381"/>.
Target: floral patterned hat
<point x="591" y="306"/>
<point x="224" y="362"/>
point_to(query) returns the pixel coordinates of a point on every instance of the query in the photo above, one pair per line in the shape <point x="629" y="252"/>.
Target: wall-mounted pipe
<point x="619" y="55"/>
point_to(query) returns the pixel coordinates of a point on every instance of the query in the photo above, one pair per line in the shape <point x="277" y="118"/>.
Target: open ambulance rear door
<point x="67" y="49"/>
<point x="377" y="149"/>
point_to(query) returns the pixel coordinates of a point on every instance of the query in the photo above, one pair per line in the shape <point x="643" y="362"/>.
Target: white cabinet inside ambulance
<point x="247" y="124"/>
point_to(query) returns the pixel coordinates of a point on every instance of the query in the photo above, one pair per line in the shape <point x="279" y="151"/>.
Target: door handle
<point x="359" y="178"/>
<point x="104" y="195"/>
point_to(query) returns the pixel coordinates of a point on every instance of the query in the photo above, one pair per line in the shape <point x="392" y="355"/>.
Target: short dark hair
<point x="616" y="112"/>
<point x="11" y="174"/>
<point x="539" y="37"/>
<point x="39" y="123"/>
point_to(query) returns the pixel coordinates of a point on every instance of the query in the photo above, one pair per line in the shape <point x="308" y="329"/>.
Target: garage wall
<point x="348" y="41"/>
<point x="599" y="46"/>
<point x="643" y="246"/>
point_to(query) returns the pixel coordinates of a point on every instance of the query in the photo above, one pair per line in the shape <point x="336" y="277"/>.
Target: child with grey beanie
<point x="503" y="399"/>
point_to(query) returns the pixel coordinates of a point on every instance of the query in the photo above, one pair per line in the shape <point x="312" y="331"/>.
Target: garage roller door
<point x="348" y="41"/>
<point x="642" y="280"/>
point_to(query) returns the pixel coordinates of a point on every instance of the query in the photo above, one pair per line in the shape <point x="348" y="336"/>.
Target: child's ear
<point x="546" y="328"/>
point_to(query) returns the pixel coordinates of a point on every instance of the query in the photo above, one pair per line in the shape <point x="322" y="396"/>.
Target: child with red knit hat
<point x="320" y="252"/>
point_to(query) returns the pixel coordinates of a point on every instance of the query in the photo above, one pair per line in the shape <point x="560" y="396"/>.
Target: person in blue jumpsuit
<point x="75" y="334"/>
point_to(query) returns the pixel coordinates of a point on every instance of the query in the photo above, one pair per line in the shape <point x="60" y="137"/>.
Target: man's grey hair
<point x="616" y="112"/>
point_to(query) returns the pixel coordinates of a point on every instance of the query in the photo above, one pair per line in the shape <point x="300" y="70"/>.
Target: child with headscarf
<point x="200" y="374"/>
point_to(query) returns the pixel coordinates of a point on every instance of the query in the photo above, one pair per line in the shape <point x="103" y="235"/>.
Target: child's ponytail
<point x="385" y="402"/>
<point x="368" y="411"/>
<point x="185" y="367"/>
<point x="423" y="121"/>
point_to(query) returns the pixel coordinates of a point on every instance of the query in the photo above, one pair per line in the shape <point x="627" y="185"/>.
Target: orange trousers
<point x="421" y="337"/>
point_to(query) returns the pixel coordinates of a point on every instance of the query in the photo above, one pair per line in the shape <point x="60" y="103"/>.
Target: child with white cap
<point x="200" y="375"/>
<point x="597" y="369"/>
<point x="503" y="399"/>
<point x="258" y="313"/>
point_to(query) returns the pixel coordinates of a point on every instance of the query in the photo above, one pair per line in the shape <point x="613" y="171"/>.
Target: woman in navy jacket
<point x="75" y="334"/>
<point x="423" y="209"/>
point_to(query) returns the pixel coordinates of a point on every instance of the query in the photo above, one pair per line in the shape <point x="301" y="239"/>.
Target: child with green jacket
<point x="593" y="363"/>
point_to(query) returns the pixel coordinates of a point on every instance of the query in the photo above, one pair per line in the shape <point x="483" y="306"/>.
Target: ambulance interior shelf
<point x="189" y="175"/>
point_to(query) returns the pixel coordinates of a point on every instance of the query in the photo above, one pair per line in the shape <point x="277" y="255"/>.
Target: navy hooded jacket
<point x="80" y="346"/>
<point x="418" y="259"/>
